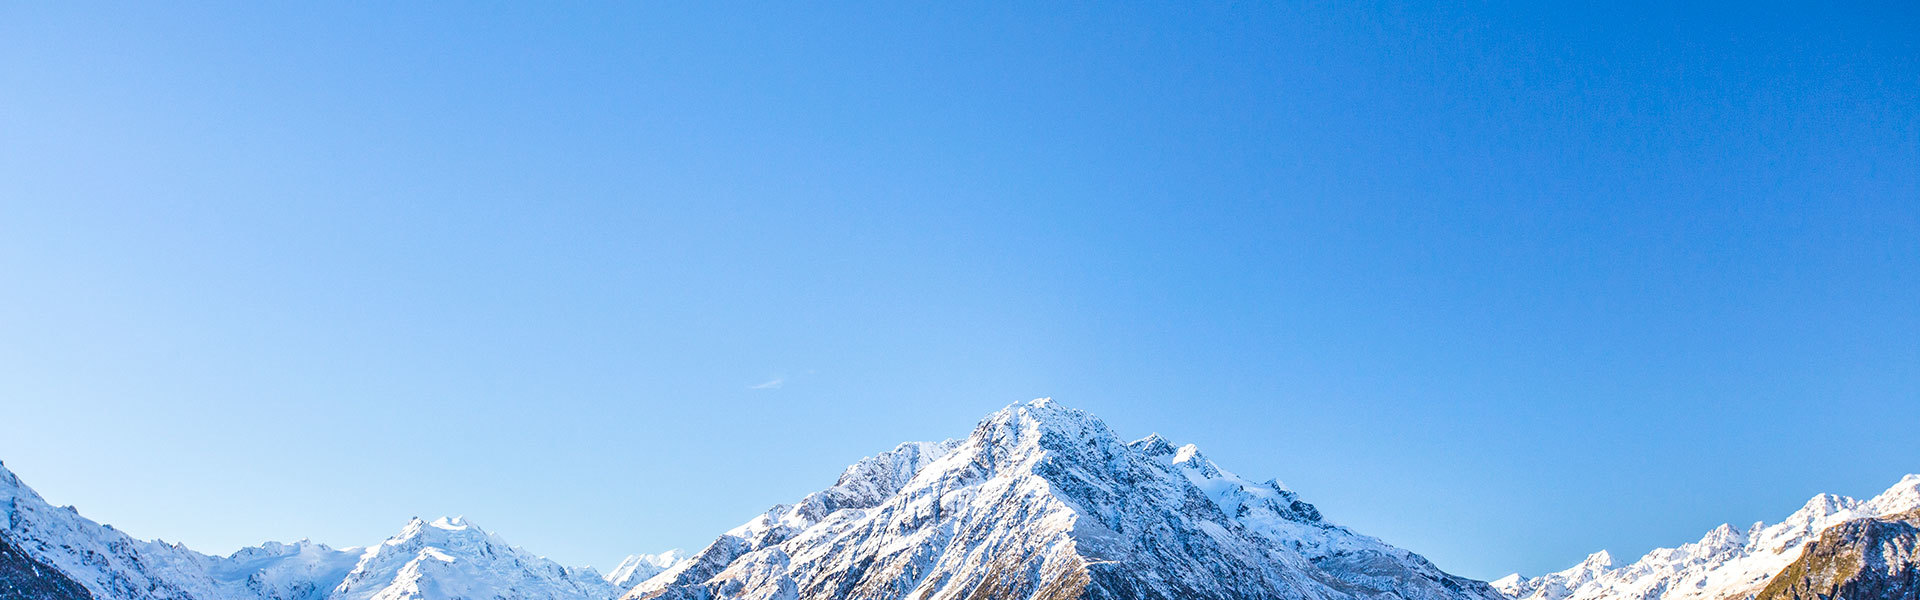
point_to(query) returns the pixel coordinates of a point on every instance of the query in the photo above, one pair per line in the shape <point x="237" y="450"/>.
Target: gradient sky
<point x="1500" y="283"/>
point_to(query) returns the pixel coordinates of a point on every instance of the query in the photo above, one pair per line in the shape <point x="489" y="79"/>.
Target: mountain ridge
<point x="1726" y="563"/>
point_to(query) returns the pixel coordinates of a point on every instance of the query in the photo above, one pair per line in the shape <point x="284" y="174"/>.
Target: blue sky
<point x="1500" y="283"/>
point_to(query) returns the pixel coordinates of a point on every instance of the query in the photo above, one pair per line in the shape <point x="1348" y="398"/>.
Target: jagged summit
<point x="1043" y="501"/>
<point x="1154" y="446"/>
<point x="1602" y="559"/>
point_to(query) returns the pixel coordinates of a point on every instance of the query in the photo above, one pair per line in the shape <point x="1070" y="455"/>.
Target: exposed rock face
<point x="1863" y="559"/>
<point x="23" y="578"/>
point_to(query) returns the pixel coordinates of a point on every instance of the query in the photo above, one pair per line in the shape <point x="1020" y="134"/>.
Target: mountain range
<point x="1038" y="502"/>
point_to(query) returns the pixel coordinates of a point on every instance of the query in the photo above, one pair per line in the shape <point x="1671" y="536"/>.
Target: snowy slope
<point x="1726" y="563"/>
<point x="1277" y="515"/>
<point x="1044" y="502"/>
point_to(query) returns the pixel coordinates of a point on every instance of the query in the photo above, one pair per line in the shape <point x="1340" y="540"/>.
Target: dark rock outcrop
<point x="1863" y="559"/>
<point x="23" y="578"/>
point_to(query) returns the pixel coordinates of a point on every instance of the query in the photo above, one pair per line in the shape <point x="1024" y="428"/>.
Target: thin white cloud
<point x="770" y="384"/>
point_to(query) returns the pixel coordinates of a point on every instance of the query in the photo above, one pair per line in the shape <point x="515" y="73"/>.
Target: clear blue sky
<point x="1501" y="283"/>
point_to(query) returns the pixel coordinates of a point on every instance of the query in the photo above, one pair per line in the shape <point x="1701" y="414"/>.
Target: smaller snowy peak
<point x="302" y="570"/>
<point x="637" y="568"/>
<point x="1257" y="505"/>
<point x="1153" y="446"/>
<point x="1509" y="585"/>
<point x="1826" y="504"/>
<point x="861" y="486"/>
<point x="1902" y="497"/>
<point x="1557" y="585"/>
<point x="872" y="479"/>
<point x="451" y="558"/>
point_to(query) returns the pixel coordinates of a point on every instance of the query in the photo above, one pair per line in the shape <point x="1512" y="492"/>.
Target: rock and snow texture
<point x="1043" y="502"/>
<point x="446" y="559"/>
<point x="1728" y="563"/>
<point x="1876" y="558"/>
<point x="23" y="577"/>
<point x="1273" y="512"/>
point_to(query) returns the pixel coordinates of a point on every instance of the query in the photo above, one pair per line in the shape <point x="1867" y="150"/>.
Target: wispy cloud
<point x="770" y="384"/>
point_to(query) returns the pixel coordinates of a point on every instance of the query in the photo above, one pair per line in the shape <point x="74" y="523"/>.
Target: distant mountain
<point x="1044" y="502"/>
<point x="1877" y="558"/>
<point x="451" y="558"/>
<point x="638" y="568"/>
<point x="46" y="551"/>
<point x="1727" y="564"/>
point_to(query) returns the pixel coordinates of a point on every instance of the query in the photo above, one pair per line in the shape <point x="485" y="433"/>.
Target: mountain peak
<point x="1039" y="412"/>
<point x="1042" y="430"/>
<point x="1043" y="501"/>
<point x="1153" y="446"/>
<point x="637" y="568"/>
<point x="454" y="523"/>
<point x="1821" y="505"/>
<point x="1902" y="497"/>
<point x="451" y="557"/>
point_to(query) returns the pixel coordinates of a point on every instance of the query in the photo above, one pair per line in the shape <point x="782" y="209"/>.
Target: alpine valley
<point x="1039" y="502"/>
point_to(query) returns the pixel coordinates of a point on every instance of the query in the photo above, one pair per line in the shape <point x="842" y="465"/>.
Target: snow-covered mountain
<point x="1044" y="502"/>
<point x="1727" y="563"/>
<point x="445" y="559"/>
<point x="1039" y="502"/>
<point x="451" y="558"/>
